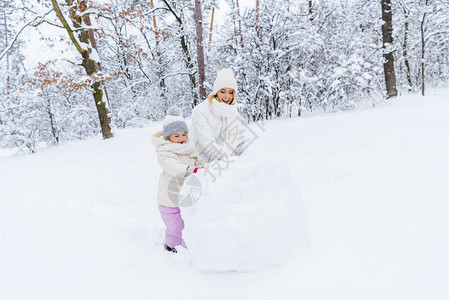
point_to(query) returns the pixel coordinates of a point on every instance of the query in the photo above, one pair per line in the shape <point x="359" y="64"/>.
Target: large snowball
<point x="249" y="218"/>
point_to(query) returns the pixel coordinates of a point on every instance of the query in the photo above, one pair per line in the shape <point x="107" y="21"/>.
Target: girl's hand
<point x="192" y="169"/>
<point x="196" y="169"/>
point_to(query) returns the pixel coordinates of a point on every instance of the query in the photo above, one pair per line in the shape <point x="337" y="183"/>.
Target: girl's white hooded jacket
<point x="174" y="170"/>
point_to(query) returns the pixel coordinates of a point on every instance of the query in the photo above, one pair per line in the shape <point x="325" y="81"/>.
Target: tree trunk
<point x="189" y="59"/>
<point x="404" y="53"/>
<point x="8" y="78"/>
<point x="387" y="35"/>
<point x="53" y="125"/>
<point x="211" y="26"/>
<point x="257" y="18"/>
<point x="189" y="66"/>
<point x="235" y="28"/>
<point x="159" y="55"/>
<point x="240" y="23"/>
<point x="93" y="42"/>
<point x="423" y="44"/>
<point x="90" y="65"/>
<point x="200" y="50"/>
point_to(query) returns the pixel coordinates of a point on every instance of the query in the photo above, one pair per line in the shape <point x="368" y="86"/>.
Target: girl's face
<point x="225" y="95"/>
<point x="178" y="137"/>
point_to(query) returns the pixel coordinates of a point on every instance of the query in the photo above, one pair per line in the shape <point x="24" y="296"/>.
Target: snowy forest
<point x="123" y="63"/>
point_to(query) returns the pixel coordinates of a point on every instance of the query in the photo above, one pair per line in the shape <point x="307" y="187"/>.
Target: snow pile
<point x="248" y="219"/>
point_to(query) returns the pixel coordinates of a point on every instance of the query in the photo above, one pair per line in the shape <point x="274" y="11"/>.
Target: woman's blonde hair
<point x="212" y="96"/>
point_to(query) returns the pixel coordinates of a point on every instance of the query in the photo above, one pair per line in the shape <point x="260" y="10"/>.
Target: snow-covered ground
<point x="357" y="202"/>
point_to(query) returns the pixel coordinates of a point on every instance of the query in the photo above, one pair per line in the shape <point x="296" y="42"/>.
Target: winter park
<point x="224" y="149"/>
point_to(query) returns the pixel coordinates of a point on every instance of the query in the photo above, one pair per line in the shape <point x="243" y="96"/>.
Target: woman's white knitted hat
<point x="225" y="79"/>
<point x="173" y="122"/>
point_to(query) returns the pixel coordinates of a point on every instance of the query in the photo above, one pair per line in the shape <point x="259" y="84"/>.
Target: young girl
<point x="178" y="157"/>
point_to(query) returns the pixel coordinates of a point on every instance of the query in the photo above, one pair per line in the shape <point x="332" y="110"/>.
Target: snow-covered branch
<point x="35" y="22"/>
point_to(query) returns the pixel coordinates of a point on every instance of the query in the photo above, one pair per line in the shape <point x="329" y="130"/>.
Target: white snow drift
<point x="351" y="205"/>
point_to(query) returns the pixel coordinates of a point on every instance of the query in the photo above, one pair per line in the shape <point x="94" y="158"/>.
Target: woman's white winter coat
<point x="174" y="170"/>
<point x="212" y="132"/>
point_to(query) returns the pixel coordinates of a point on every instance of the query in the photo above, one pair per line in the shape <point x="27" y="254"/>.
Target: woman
<point x="216" y="121"/>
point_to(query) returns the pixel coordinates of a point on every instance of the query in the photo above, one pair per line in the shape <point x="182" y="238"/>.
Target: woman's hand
<point x="238" y="150"/>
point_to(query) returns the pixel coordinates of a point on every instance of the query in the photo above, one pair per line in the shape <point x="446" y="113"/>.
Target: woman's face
<point x="225" y="95"/>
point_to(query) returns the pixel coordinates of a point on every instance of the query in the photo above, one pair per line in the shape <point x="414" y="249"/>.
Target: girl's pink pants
<point x="174" y="223"/>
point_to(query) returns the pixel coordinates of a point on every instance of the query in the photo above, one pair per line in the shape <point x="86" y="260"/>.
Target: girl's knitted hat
<point x="225" y="79"/>
<point x="173" y="122"/>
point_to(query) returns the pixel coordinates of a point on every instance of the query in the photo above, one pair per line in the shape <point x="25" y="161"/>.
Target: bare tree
<point x="404" y="47"/>
<point x="257" y="18"/>
<point x="83" y="39"/>
<point x="158" y="54"/>
<point x="200" y="50"/>
<point x="423" y="47"/>
<point x="240" y="22"/>
<point x="310" y="10"/>
<point x="211" y="26"/>
<point x="184" y="46"/>
<point x="8" y="79"/>
<point x="387" y="36"/>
